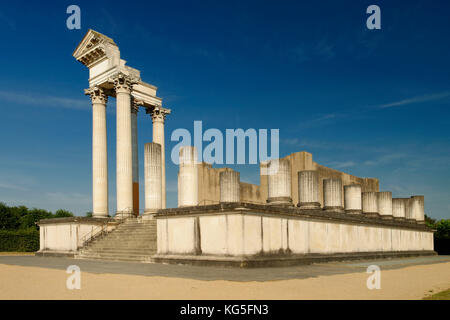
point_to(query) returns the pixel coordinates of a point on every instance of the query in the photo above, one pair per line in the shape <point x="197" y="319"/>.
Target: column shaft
<point x="124" y="153"/>
<point x="384" y="203"/>
<point x="332" y="194"/>
<point x="417" y="208"/>
<point x="134" y="139"/>
<point x="370" y="204"/>
<point x="229" y="186"/>
<point x="308" y="189"/>
<point x="153" y="191"/>
<point x="399" y="208"/>
<point x="279" y="186"/>
<point x="99" y="153"/>
<point x="352" y="198"/>
<point x="188" y="177"/>
<point x="158" y="137"/>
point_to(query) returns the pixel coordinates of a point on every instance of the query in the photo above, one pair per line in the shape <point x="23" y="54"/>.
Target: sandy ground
<point x="412" y="282"/>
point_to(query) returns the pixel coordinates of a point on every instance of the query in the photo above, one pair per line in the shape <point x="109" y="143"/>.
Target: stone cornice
<point x="87" y="220"/>
<point x="286" y="212"/>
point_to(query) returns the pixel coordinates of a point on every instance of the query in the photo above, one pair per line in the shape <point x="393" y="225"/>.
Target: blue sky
<point x="372" y="103"/>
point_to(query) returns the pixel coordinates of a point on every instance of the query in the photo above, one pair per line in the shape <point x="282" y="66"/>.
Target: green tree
<point x="89" y="214"/>
<point x="443" y="229"/>
<point x="33" y="216"/>
<point x="63" y="214"/>
<point x="9" y="219"/>
<point x="430" y="222"/>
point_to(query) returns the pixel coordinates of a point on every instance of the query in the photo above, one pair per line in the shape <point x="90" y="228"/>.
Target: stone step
<point x="117" y="257"/>
<point x="121" y="251"/>
<point x="135" y="233"/>
<point x="135" y="239"/>
<point x="112" y="246"/>
<point x="134" y="236"/>
<point x="123" y="244"/>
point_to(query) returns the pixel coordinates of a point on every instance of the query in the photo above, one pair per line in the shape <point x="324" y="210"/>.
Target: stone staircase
<point x="132" y="241"/>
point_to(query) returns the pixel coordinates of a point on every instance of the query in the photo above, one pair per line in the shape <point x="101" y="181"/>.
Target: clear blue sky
<point x="370" y="103"/>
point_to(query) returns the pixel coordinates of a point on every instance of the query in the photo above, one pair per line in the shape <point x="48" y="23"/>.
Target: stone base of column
<point x="386" y="217"/>
<point x="124" y="215"/>
<point x="399" y="219"/>
<point x="334" y="209"/>
<point x="149" y="215"/>
<point x="420" y="222"/>
<point x="411" y="220"/>
<point x="280" y="201"/>
<point x="353" y="211"/>
<point x="371" y="214"/>
<point x="100" y="215"/>
<point x="308" y="205"/>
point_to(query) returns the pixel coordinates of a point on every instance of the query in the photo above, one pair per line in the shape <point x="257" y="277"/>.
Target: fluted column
<point x="398" y="208"/>
<point x="417" y="208"/>
<point x="188" y="177"/>
<point x="134" y="140"/>
<point x="229" y="186"/>
<point x="352" y="199"/>
<point x="332" y="194"/>
<point x="158" y="117"/>
<point x="152" y="173"/>
<point x="384" y="203"/>
<point x="408" y="210"/>
<point x="279" y="182"/>
<point x="370" y="204"/>
<point x="124" y="155"/>
<point x="308" y="189"/>
<point x="99" y="153"/>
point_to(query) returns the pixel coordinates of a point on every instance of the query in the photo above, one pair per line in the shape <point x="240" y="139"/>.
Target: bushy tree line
<point x="23" y="218"/>
<point x="442" y="227"/>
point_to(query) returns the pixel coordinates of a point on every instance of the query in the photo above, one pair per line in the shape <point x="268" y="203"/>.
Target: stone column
<point x="370" y="204"/>
<point x="352" y="199"/>
<point x="134" y="140"/>
<point x="279" y="183"/>
<point x="332" y="195"/>
<point x="153" y="190"/>
<point x="398" y="209"/>
<point x="99" y="153"/>
<point x="188" y="177"/>
<point x="308" y="189"/>
<point x="158" y="118"/>
<point x="384" y="203"/>
<point x="124" y="159"/>
<point x="408" y="210"/>
<point x="230" y="186"/>
<point x="418" y="208"/>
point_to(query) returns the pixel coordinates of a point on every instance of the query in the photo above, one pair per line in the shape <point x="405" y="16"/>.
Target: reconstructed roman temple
<point x="301" y="211"/>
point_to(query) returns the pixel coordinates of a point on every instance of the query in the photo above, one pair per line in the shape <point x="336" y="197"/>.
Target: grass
<point x="443" y="295"/>
<point x="16" y="253"/>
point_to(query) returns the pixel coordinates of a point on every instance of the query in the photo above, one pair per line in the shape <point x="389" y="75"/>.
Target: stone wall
<point x="228" y="231"/>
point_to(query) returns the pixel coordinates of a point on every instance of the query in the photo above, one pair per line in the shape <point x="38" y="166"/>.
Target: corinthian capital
<point x="97" y="95"/>
<point x="158" y="114"/>
<point x="123" y="83"/>
<point x="135" y="104"/>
